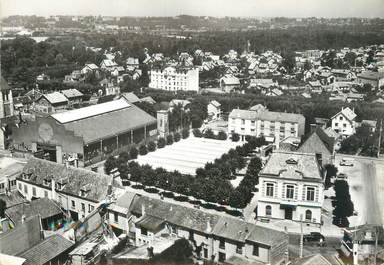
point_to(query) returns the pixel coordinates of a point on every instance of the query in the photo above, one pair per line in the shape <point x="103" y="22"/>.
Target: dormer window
<point x="27" y="176"/>
<point x="84" y="191"/>
<point x="61" y="183"/>
<point x="291" y="161"/>
<point x="47" y="182"/>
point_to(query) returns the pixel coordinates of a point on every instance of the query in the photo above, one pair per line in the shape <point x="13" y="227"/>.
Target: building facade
<point x="292" y="188"/>
<point x="344" y="123"/>
<point x="278" y="125"/>
<point x="175" y="79"/>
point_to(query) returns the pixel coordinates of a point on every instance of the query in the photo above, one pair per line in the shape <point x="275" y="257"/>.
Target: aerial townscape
<point x="191" y="139"/>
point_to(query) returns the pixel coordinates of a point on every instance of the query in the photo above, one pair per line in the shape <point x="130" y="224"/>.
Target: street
<point x="365" y="179"/>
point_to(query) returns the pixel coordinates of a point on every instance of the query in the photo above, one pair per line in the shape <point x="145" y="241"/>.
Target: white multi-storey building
<point x="292" y="187"/>
<point x="175" y="78"/>
<point x="344" y="123"/>
<point x="278" y="125"/>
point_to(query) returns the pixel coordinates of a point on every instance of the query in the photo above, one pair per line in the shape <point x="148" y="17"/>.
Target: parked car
<point x="314" y="237"/>
<point x="346" y="162"/>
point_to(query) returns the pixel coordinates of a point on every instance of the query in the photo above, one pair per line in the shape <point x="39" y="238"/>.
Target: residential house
<point x="42" y="77"/>
<point x="315" y="87"/>
<point x="375" y="79"/>
<point x="292" y="186"/>
<point x="272" y="125"/>
<point x="371" y="124"/>
<point x="108" y="65"/>
<point x="214" y="110"/>
<point x="51" y="103"/>
<point x="275" y="92"/>
<point x="229" y="83"/>
<point x="77" y="191"/>
<point x="132" y="63"/>
<point x="343" y="74"/>
<point x="90" y="68"/>
<point x="73" y="95"/>
<point x="219" y="238"/>
<point x="321" y="144"/>
<point x="344" y="122"/>
<point x="175" y="78"/>
<point x="10" y="168"/>
<point x="75" y="77"/>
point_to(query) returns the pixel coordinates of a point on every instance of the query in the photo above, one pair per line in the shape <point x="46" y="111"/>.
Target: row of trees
<point x="210" y="134"/>
<point x="211" y="183"/>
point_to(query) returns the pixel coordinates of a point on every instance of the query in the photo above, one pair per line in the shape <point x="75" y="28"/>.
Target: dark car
<point x="314" y="237"/>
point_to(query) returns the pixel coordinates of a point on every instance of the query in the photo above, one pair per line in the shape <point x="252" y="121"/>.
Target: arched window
<point x="268" y="210"/>
<point x="308" y="215"/>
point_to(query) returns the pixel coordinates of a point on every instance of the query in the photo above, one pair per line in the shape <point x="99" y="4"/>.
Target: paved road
<point x="332" y="244"/>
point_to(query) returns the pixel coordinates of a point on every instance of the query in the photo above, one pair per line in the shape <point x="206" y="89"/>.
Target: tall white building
<point x="292" y="187"/>
<point x="175" y="78"/>
<point x="261" y="122"/>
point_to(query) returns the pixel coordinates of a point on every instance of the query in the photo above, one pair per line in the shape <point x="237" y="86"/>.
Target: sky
<point x="218" y="8"/>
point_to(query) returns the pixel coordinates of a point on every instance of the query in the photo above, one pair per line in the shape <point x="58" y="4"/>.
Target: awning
<point x="284" y="206"/>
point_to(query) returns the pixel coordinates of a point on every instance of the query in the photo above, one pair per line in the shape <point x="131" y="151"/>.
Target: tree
<point x="221" y="136"/>
<point x="177" y="137"/>
<point x="151" y="146"/>
<point x="161" y="142"/>
<point x="124" y="157"/>
<point x="235" y="137"/>
<point x="110" y="164"/>
<point x="209" y="134"/>
<point x="289" y="61"/>
<point x="185" y="133"/>
<point x="254" y="167"/>
<point x="133" y="152"/>
<point x="197" y="133"/>
<point x="169" y="139"/>
<point x="331" y="172"/>
<point x="3" y="207"/>
<point x="143" y="150"/>
<point x="343" y="205"/>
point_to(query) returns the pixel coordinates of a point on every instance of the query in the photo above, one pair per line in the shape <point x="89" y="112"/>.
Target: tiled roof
<point x="131" y="97"/>
<point x="55" y="98"/>
<point x="12" y="198"/>
<point x="194" y="219"/>
<point x="92" y="66"/>
<point x="293" y="165"/>
<point x="267" y="116"/>
<point x="46" y="250"/>
<point x="71" y="93"/>
<point x="148" y="99"/>
<point x="151" y="223"/>
<point x="77" y="178"/>
<point x="43" y="206"/>
<point x="103" y="120"/>
<point x="348" y="113"/>
<point x="318" y="142"/>
<point x="215" y="103"/>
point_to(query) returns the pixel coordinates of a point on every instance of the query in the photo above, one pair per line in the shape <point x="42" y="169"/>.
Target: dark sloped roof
<point x="43" y="207"/>
<point x="151" y="223"/>
<point x="77" y="178"/>
<point x="317" y="142"/>
<point x="46" y="250"/>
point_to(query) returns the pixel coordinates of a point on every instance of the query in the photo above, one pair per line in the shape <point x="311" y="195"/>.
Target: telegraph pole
<point x="379" y="144"/>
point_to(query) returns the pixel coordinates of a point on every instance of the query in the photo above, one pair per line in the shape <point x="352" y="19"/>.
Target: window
<point x="242" y="121"/>
<point x="253" y="123"/>
<point x="2" y="186"/>
<point x="25" y="189"/>
<point x="255" y="251"/>
<point x="33" y="191"/>
<point x="20" y="187"/>
<point x="290" y="191"/>
<point x="144" y="231"/>
<point x="90" y="208"/>
<point x="45" y="194"/>
<point x="239" y="249"/>
<point x="308" y="215"/>
<point x="205" y="253"/>
<point x="310" y="193"/>
<point x="83" y="207"/>
<point x="73" y="204"/>
<point x="222" y="244"/>
<point x="344" y="125"/>
<point x="336" y="124"/>
<point x="115" y="217"/>
<point x="269" y="191"/>
<point x="341" y="118"/>
<point x="12" y="183"/>
<point x="268" y="210"/>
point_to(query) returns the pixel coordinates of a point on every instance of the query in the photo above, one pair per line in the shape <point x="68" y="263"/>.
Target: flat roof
<point x="94" y="110"/>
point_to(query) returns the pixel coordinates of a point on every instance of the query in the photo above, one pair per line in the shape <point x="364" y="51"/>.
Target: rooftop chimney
<point x="142" y="210"/>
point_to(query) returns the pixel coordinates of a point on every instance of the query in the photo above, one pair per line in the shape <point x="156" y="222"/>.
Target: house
<point x="132" y="63"/>
<point x="371" y="124"/>
<point x="42" y="77"/>
<point x="108" y="64"/>
<point x="214" y="237"/>
<point x="262" y="83"/>
<point x="344" y="123"/>
<point x="375" y="79"/>
<point x="229" y="83"/>
<point x="52" y="250"/>
<point x="77" y="191"/>
<point x="275" y="125"/>
<point x="292" y="186"/>
<point x="89" y="68"/>
<point x="315" y="87"/>
<point x="321" y="144"/>
<point x="50" y="103"/>
<point x="74" y="77"/>
<point x="49" y="211"/>
<point x="214" y="110"/>
<point x="175" y="78"/>
<point x="148" y="99"/>
<point x="130" y="97"/>
<point x="73" y="95"/>
<point x="343" y="74"/>
<point x="10" y="168"/>
<point x="275" y="92"/>
<point x="354" y="97"/>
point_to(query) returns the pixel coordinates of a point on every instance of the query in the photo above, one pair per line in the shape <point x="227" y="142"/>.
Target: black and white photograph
<point x="191" y="132"/>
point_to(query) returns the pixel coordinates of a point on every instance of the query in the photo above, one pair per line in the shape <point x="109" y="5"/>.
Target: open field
<point x="187" y="155"/>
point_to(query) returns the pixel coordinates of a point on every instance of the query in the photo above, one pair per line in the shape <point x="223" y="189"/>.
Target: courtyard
<point x="188" y="154"/>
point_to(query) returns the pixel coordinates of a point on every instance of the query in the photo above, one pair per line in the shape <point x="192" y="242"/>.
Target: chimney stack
<point x="142" y="210"/>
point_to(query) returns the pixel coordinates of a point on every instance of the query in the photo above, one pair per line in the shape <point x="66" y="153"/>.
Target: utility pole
<point x="301" y="236"/>
<point x="376" y="243"/>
